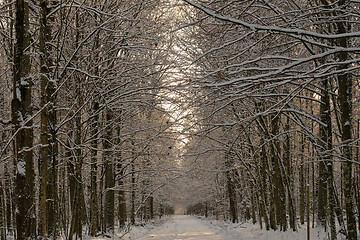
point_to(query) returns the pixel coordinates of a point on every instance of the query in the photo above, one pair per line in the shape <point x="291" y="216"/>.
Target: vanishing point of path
<point x="182" y="227"/>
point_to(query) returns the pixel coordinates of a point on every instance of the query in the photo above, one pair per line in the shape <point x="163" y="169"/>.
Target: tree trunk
<point x="253" y="203"/>
<point x="289" y="177"/>
<point x="264" y="184"/>
<point x="302" y="182"/>
<point x="326" y="165"/>
<point x="48" y="199"/>
<point x="121" y="197"/>
<point x="324" y="154"/>
<point x="266" y="190"/>
<point x="277" y="177"/>
<point x="357" y="182"/>
<point x="78" y="198"/>
<point x="231" y="189"/>
<point x="93" y="185"/>
<point x="76" y="187"/>
<point x="151" y="207"/>
<point x="109" y="177"/>
<point x="9" y="173"/>
<point x="358" y="198"/>
<point x="345" y="102"/>
<point x="22" y="120"/>
<point x="2" y="213"/>
<point x="132" y="214"/>
<point x="121" y="192"/>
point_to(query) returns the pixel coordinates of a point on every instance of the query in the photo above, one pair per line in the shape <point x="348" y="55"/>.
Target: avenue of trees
<point x="113" y="111"/>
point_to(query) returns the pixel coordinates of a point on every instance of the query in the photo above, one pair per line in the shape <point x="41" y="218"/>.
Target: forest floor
<point x="181" y="227"/>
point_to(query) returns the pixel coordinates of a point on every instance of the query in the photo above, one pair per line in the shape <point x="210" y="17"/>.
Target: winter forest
<point x="114" y="113"/>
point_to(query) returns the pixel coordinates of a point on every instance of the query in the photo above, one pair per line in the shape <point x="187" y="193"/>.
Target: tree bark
<point x="326" y="196"/>
<point x="264" y="184"/>
<point x="93" y="185"/>
<point x="278" y="177"/>
<point x="109" y="177"/>
<point x="289" y="176"/>
<point x="76" y="187"/>
<point x="133" y="180"/>
<point x="302" y="187"/>
<point x="121" y="192"/>
<point x="231" y="189"/>
<point x="2" y="213"/>
<point x="78" y="209"/>
<point x="324" y="154"/>
<point x="23" y="130"/>
<point x="48" y="199"/>
<point x="345" y="102"/>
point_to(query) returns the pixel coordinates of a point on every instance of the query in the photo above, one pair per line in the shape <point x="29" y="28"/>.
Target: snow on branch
<point x="286" y="67"/>
<point x="275" y="29"/>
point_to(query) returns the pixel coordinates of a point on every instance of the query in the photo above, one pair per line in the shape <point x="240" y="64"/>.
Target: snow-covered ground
<point x="181" y="227"/>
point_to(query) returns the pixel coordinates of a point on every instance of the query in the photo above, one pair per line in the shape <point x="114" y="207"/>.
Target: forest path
<point x="182" y="227"/>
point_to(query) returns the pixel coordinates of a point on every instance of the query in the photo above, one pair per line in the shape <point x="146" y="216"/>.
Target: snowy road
<point x="180" y="227"/>
<point x="188" y="228"/>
